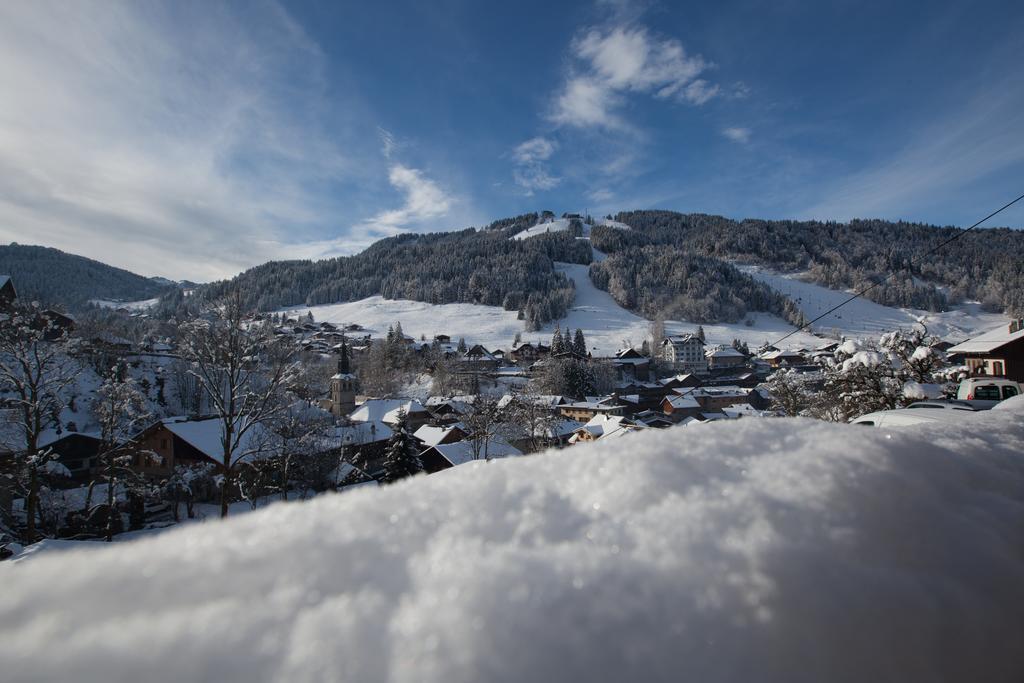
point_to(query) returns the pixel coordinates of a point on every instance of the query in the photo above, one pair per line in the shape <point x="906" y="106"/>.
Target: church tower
<point x="343" y="385"/>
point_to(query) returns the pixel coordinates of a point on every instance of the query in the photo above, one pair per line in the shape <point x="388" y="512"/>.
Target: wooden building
<point x="997" y="353"/>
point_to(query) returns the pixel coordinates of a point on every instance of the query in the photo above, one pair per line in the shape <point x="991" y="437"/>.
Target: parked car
<point x="906" y="417"/>
<point x="991" y="390"/>
<point x="948" y="404"/>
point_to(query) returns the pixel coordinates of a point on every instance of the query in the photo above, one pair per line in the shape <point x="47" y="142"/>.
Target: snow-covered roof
<point x="772" y="355"/>
<point x="385" y="409"/>
<point x="461" y="452"/>
<point x="682" y="402"/>
<point x="432" y="436"/>
<point x="989" y="341"/>
<point x="362" y="433"/>
<point x="727" y="352"/>
<point x="206" y="435"/>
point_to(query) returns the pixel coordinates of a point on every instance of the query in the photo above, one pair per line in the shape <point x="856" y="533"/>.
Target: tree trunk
<point x="225" y="484"/>
<point x="31" y="503"/>
<point x="110" y="498"/>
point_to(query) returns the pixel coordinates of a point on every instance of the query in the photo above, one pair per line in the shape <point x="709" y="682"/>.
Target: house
<point x="998" y="352"/>
<point x="714" y="399"/>
<point x="7" y="293"/>
<point x="725" y="357"/>
<point x="778" y="359"/>
<point x="429" y="435"/>
<point x="447" y="455"/>
<point x="582" y="411"/>
<point x="479" y="358"/>
<point x="686" y="353"/>
<point x="604" y="427"/>
<point x="680" y="406"/>
<point x="631" y="365"/>
<point x="390" y="410"/>
<point x="187" y="441"/>
<point x="75" y="451"/>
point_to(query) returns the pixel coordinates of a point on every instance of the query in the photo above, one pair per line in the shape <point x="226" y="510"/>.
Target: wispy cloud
<point x="953" y="154"/>
<point x="387" y="142"/>
<point x="609" y="63"/>
<point x="164" y="137"/>
<point x="424" y="200"/>
<point x="737" y="134"/>
<point x="531" y="173"/>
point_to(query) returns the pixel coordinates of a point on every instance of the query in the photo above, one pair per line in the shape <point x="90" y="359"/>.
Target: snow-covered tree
<point x="36" y="375"/>
<point x="557" y="343"/>
<point x="242" y="369"/>
<point x="120" y="409"/>
<point x="790" y="392"/>
<point x="579" y="343"/>
<point x="401" y="459"/>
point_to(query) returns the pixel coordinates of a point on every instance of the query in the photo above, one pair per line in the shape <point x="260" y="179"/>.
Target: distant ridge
<point x="54" y="277"/>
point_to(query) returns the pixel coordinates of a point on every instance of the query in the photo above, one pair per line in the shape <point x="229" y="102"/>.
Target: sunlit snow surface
<point x="758" y="550"/>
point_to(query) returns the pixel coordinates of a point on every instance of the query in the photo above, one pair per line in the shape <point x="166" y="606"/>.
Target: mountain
<point x="660" y="264"/>
<point x="52" y="276"/>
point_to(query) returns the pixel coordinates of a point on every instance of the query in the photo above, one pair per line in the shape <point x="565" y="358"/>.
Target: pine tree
<point x="700" y="333"/>
<point x="462" y="345"/>
<point x="557" y="345"/>
<point x="579" y="344"/>
<point x="401" y="459"/>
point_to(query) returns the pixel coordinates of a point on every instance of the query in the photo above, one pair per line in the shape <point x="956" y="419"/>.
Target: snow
<point x="863" y="318"/>
<point x="130" y="305"/>
<point x="989" y="341"/>
<point x="561" y="225"/>
<point x="768" y="550"/>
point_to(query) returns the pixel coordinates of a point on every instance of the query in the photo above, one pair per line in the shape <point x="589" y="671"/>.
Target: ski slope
<point x="863" y="318"/>
<point x="128" y="305"/>
<point x="561" y="225"/>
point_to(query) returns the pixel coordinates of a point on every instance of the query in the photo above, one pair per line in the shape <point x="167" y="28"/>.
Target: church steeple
<point x="343" y="363"/>
<point x="343" y="384"/>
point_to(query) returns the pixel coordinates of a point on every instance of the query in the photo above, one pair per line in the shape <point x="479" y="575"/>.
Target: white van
<point x="905" y="417"/>
<point x="987" y="389"/>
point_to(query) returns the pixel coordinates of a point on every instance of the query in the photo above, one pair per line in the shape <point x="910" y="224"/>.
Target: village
<point x="449" y="403"/>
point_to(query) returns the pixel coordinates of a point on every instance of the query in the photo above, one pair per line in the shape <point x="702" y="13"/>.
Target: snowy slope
<point x="863" y="318"/>
<point x="561" y="225"/>
<point x="760" y="550"/>
<point x="130" y="305"/>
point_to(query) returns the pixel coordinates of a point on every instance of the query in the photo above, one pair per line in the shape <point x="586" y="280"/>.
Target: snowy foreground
<point x="763" y="550"/>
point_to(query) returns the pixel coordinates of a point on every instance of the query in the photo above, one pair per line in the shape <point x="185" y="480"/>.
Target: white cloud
<point x="165" y="138"/>
<point x="387" y="141"/>
<point x="601" y="194"/>
<point x="737" y="134"/>
<point x="424" y="200"/>
<point x="530" y="173"/>
<point x="627" y="59"/>
<point x="533" y="150"/>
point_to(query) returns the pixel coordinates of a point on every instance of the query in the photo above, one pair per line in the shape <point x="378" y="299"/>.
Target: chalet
<point x="479" y="358"/>
<point x="679" y="406"/>
<point x="390" y="411"/>
<point x="429" y="435"/>
<point x="75" y="451"/>
<point x="714" y="399"/>
<point x="185" y="441"/>
<point x="602" y="427"/>
<point x="442" y="339"/>
<point x="527" y="353"/>
<point x="448" y="409"/>
<point x="686" y="353"/>
<point x="725" y="357"/>
<point x="546" y="433"/>
<point x="583" y="411"/>
<point x="778" y="359"/>
<point x="447" y="455"/>
<point x="7" y="293"/>
<point x="998" y="352"/>
<point x="682" y="381"/>
<point x="631" y="365"/>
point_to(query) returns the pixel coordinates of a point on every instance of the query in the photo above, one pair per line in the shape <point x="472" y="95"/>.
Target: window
<point x="987" y="393"/>
<point x="997" y="368"/>
<point x="1009" y="391"/>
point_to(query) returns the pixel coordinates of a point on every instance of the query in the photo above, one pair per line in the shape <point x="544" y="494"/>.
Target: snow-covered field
<point x="863" y="318"/>
<point x="130" y="305"/>
<point x="759" y="550"/>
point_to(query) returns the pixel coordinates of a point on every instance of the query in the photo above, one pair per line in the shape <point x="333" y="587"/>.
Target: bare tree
<point x="242" y="370"/>
<point x="36" y="373"/>
<point x="483" y="424"/>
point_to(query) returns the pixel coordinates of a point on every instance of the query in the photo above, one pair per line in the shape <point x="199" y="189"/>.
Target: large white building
<point x="686" y="353"/>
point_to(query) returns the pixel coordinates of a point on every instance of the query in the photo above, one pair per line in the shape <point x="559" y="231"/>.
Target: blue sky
<point x="192" y="140"/>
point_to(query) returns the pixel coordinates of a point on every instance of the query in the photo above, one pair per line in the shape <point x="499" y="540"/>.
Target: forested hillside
<point x="469" y="266"/>
<point x="666" y="283"/>
<point x="987" y="265"/>
<point x="54" y="277"/>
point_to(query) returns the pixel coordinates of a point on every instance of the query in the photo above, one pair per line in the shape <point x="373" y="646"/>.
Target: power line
<point x="890" y="275"/>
